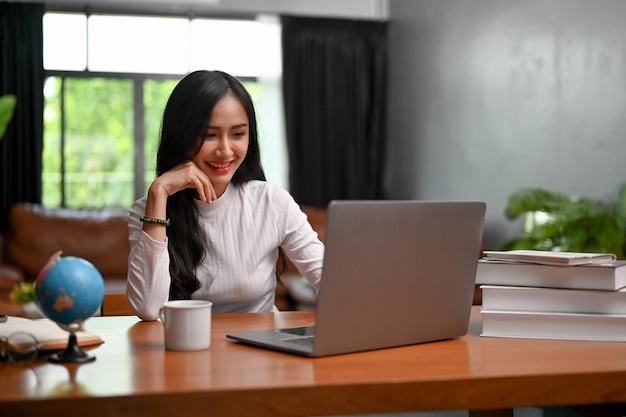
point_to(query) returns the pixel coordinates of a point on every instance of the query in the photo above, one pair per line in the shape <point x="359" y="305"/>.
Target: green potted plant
<point x="556" y="221"/>
<point x="7" y="106"/>
<point x="24" y="294"/>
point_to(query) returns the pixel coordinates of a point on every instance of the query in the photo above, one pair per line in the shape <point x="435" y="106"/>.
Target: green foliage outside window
<point x="98" y="156"/>
<point x="96" y="165"/>
<point x="98" y="152"/>
<point x="156" y="94"/>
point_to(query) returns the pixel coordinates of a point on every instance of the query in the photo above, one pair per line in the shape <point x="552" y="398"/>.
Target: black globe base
<point x="72" y="354"/>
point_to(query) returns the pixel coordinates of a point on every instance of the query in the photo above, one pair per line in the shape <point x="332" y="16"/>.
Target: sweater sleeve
<point x="148" y="280"/>
<point x="301" y="244"/>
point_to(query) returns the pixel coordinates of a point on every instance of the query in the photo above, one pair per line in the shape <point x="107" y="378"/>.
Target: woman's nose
<point x="224" y="145"/>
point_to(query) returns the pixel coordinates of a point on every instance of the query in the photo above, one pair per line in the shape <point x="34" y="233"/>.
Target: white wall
<point x="360" y="9"/>
<point x="491" y="96"/>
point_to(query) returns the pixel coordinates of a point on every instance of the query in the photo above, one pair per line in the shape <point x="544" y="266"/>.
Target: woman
<point x="210" y="227"/>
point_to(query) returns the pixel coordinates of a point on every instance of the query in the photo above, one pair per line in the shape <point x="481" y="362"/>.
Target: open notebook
<point x="47" y="333"/>
<point x="395" y="273"/>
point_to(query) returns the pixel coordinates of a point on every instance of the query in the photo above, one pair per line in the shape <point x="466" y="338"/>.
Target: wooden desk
<point x="134" y="376"/>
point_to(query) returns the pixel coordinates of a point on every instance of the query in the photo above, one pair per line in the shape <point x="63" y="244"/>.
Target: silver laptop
<point x="395" y="273"/>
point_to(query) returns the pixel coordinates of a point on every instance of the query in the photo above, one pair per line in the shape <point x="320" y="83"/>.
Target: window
<point x="108" y="79"/>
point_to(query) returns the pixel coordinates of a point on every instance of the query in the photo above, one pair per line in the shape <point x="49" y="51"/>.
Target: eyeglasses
<point x="20" y="348"/>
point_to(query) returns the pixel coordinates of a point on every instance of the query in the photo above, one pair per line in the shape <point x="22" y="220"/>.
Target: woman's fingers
<point x="188" y="175"/>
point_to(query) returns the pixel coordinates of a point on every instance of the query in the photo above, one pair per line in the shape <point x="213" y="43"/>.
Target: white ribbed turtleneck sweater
<point x="244" y="229"/>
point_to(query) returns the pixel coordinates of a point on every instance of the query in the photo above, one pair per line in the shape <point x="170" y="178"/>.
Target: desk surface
<point x="134" y="375"/>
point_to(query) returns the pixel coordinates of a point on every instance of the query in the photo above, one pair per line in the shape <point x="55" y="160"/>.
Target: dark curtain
<point x="21" y="74"/>
<point x="335" y="95"/>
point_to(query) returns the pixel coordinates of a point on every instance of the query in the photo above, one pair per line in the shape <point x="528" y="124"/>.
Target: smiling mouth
<point x="220" y="165"/>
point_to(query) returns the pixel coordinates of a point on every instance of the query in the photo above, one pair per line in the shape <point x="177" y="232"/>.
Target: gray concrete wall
<point x="490" y="96"/>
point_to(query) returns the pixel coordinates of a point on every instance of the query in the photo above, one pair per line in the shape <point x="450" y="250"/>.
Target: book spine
<point x="554" y="326"/>
<point x="578" y="277"/>
<point x="553" y="300"/>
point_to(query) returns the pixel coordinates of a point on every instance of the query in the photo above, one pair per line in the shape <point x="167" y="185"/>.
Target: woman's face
<point x="225" y="143"/>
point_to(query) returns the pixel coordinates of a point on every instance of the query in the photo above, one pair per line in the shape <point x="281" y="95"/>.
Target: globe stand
<point x="72" y="353"/>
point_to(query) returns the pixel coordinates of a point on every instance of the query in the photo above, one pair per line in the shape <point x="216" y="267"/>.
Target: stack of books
<point x="553" y="295"/>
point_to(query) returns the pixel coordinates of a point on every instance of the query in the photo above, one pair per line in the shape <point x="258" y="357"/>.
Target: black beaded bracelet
<point x="152" y="220"/>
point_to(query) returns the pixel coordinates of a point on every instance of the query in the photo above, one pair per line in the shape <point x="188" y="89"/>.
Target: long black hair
<point x="186" y="115"/>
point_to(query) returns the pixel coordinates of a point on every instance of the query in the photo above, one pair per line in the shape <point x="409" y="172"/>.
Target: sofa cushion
<point x="97" y="235"/>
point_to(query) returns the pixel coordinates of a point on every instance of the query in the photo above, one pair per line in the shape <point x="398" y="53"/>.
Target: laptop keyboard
<point x="303" y="336"/>
<point x="299" y="331"/>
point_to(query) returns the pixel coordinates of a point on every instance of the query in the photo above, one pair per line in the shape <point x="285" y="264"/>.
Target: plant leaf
<point x="7" y="106"/>
<point x="620" y="207"/>
<point x="577" y="225"/>
<point x="530" y="200"/>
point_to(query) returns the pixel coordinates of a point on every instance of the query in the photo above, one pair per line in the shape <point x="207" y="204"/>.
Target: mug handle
<point x="162" y="314"/>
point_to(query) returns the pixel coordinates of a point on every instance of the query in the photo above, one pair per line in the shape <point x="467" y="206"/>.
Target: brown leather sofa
<point x="99" y="236"/>
<point x="36" y="233"/>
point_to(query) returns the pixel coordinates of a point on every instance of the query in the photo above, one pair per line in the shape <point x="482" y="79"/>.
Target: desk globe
<point x="68" y="291"/>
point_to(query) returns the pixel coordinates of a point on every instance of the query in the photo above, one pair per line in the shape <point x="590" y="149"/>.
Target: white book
<point x="555" y="300"/>
<point x="534" y="325"/>
<point x="610" y="277"/>
<point x="551" y="257"/>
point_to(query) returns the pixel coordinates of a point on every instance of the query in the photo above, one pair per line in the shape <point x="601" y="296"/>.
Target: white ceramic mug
<point x="187" y="324"/>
